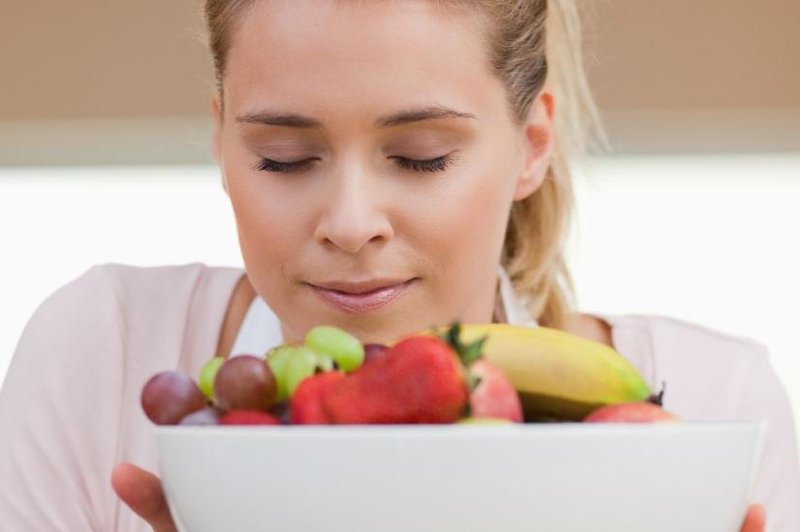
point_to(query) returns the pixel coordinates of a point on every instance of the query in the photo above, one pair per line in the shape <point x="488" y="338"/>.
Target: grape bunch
<point x="251" y="390"/>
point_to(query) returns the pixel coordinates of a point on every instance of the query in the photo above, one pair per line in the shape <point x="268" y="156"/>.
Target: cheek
<point x="471" y="218"/>
<point x="270" y="225"/>
<point x="464" y="224"/>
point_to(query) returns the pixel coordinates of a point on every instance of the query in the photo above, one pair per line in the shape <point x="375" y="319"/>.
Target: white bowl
<point x="565" y="477"/>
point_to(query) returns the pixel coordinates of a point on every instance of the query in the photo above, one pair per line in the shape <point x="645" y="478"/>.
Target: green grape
<point x="324" y="362"/>
<point x="277" y="359"/>
<point x="207" y="375"/>
<point x="343" y="347"/>
<point x="303" y="363"/>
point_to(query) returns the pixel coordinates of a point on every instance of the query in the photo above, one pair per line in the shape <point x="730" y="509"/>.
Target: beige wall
<point x="655" y="65"/>
<point x="102" y="58"/>
<point x="697" y="75"/>
<point x="696" y="54"/>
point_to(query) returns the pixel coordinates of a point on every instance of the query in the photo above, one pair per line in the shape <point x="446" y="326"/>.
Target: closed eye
<point x="439" y="164"/>
<point x="269" y="165"/>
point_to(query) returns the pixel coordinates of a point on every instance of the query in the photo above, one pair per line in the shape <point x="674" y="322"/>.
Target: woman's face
<point x="371" y="161"/>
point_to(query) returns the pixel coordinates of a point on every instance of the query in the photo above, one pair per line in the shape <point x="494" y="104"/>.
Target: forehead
<point x="333" y="54"/>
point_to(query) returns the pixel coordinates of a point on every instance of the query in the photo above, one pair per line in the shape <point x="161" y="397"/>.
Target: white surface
<point x="706" y="239"/>
<point x="692" y="477"/>
<point x="711" y="240"/>
<point x="57" y="222"/>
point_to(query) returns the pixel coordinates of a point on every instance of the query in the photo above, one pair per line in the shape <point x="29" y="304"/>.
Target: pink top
<point x="69" y="408"/>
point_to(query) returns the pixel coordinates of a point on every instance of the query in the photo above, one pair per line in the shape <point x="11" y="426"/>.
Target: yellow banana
<point x="558" y="375"/>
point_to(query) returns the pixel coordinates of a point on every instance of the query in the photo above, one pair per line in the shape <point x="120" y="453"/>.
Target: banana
<point x="559" y="376"/>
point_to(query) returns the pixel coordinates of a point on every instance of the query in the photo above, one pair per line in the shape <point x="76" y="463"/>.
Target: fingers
<point x="756" y="519"/>
<point x="142" y="491"/>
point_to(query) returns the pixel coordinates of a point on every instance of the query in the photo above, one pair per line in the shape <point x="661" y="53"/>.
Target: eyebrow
<point x="408" y="116"/>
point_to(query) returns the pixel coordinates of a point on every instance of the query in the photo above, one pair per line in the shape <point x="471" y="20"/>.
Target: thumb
<point x="142" y="492"/>
<point x="756" y="519"/>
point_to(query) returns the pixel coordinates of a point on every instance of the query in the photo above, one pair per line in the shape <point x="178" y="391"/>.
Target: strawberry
<point x="306" y="407"/>
<point x="493" y="395"/>
<point x="418" y="380"/>
<point x="248" y="417"/>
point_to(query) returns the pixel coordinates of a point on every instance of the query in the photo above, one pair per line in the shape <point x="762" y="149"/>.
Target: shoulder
<point x="129" y="287"/>
<point x="69" y="402"/>
<point x="133" y="281"/>
<point x="687" y="341"/>
<point x="680" y="329"/>
<point x="168" y="308"/>
<point x="589" y="327"/>
<point x="704" y="370"/>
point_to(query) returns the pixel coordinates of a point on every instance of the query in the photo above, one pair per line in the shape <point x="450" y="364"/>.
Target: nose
<point x="354" y="215"/>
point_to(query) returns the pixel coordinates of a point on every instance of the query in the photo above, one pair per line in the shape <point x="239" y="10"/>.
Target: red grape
<point x="282" y="411"/>
<point x="245" y="383"/>
<point x="373" y="351"/>
<point x="206" y="416"/>
<point x="170" y="396"/>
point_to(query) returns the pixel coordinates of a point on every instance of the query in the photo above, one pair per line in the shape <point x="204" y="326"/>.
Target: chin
<point x="382" y="328"/>
<point x="376" y="331"/>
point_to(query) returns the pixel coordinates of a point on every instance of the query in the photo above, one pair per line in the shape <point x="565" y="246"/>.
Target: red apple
<point x="640" y="412"/>
<point x="494" y="396"/>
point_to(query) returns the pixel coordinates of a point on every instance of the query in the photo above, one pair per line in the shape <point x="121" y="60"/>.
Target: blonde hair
<point x="531" y="43"/>
<point x="533" y="252"/>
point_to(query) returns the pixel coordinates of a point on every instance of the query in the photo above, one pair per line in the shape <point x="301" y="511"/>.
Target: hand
<point x="141" y="490"/>
<point x="755" y="520"/>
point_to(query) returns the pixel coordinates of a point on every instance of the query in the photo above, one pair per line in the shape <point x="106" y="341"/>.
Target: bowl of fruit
<point x="471" y="427"/>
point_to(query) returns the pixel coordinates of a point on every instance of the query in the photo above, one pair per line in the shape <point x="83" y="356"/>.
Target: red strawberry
<point x="248" y="417"/>
<point x="418" y="380"/>
<point x="493" y="396"/>
<point x="306" y="406"/>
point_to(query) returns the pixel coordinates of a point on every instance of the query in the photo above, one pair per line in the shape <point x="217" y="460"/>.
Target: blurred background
<point x="104" y="157"/>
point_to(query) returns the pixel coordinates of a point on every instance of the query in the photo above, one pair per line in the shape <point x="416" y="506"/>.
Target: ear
<point x="537" y="145"/>
<point x="216" y="142"/>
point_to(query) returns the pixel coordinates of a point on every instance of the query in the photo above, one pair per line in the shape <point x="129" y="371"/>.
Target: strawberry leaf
<point x="472" y="381"/>
<point x="468" y="353"/>
<point x="473" y="351"/>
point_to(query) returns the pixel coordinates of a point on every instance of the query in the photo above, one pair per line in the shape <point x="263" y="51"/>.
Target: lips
<point x="361" y="297"/>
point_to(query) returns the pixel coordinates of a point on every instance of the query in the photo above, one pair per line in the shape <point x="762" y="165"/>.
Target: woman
<point x="390" y="165"/>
